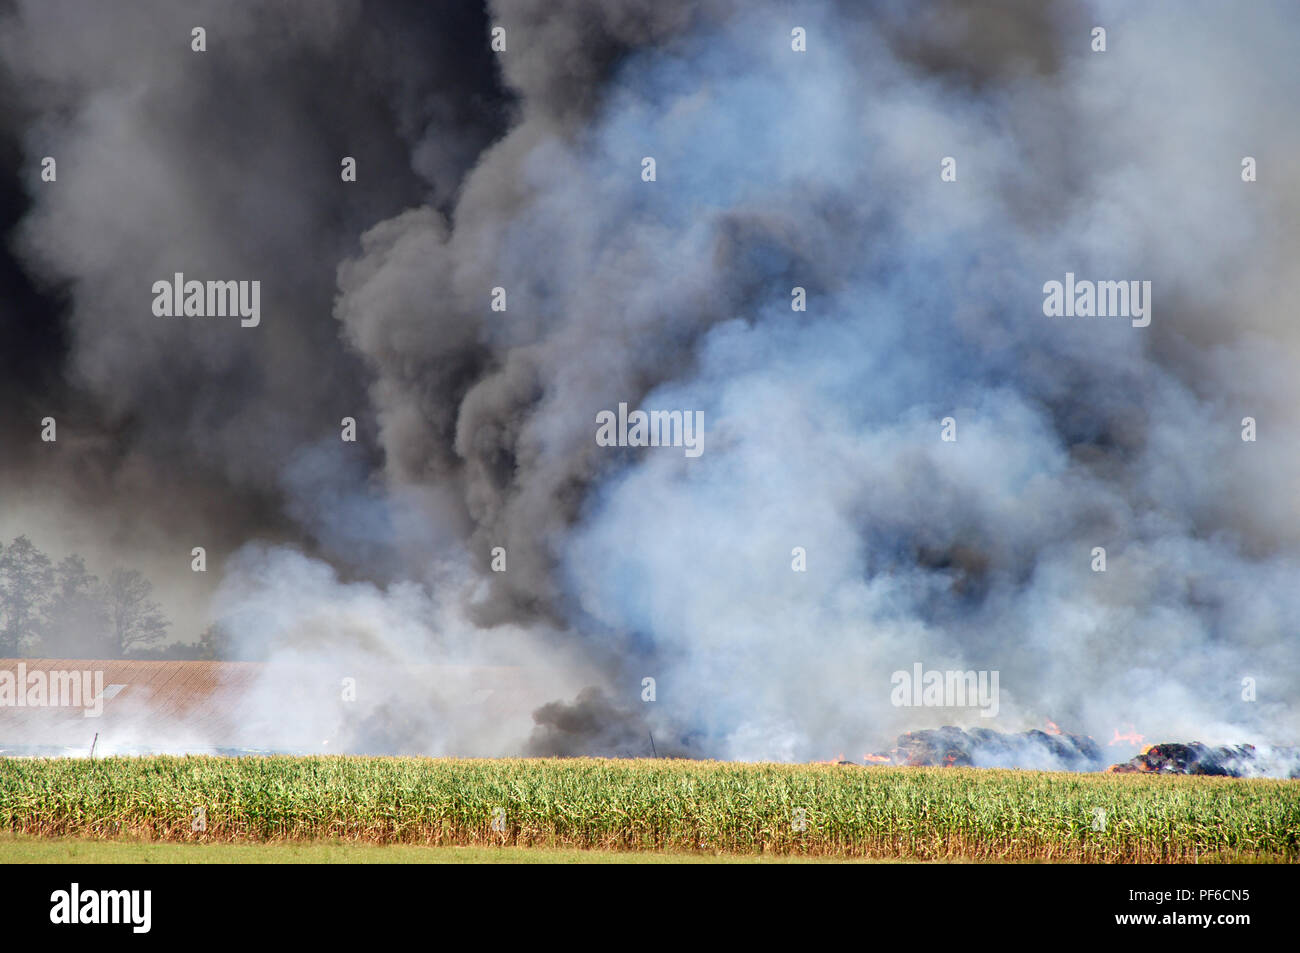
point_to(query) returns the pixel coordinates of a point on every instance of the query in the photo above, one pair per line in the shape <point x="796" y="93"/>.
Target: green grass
<point x="23" y="849"/>
<point x="667" y="806"/>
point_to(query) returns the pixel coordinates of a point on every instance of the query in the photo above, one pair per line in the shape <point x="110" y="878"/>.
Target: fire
<point x="835" y="760"/>
<point x="1052" y="728"/>
<point x="1130" y="737"/>
<point x="876" y="758"/>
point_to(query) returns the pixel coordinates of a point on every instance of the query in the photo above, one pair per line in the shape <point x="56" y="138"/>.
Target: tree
<point x="134" y="619"/>
<point x="214" y="645"/>
<point x="26" y="586"/>
<point x="77" y="619"/>
<point x="65" y="611"/>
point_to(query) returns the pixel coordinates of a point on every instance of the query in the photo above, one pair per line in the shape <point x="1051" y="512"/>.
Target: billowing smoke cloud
<point x="220" y="165"/>
<point x="775" y="169"/>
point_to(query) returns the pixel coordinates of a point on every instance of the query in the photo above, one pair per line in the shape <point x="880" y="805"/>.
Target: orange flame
<point x="1129" y="737"/>
<point x="835" y="760"/>
<point x="876" y="758"/>
<point x="1052" y="728"/>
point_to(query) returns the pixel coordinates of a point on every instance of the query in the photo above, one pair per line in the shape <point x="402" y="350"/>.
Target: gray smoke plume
<point x="775" y="169"/>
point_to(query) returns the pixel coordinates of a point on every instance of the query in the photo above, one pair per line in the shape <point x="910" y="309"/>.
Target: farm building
<point x="51" y="707"/>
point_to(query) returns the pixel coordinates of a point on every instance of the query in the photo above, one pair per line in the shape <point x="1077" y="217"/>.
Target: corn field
<point x="653" y="805"/>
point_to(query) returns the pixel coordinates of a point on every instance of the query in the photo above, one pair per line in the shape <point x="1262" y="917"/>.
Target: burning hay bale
<point x="1061" y="751"/>
<point x="1229" y="761"/>
<point x="983" y="748"/>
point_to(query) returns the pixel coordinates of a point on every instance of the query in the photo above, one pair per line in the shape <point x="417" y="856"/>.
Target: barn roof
<point x="201" y="706"/>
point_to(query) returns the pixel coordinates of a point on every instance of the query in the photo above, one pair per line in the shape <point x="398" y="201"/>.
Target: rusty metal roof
<point x="199" y="705"/>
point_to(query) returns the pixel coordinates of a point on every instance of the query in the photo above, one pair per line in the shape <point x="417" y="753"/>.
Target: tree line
<point x="62" y="610"/>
